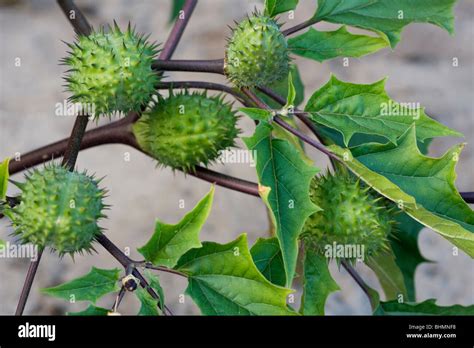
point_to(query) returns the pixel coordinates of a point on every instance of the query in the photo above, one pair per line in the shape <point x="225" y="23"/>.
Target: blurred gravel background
<point x="420" y="70"/>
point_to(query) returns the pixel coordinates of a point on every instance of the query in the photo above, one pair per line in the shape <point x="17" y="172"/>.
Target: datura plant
<point x="187" y="129"/>
<point x="352" y="215"/>
<point x="58" y="209"/>
<point x="111" y="71"/>
<point x="367" y="207"/>
<point x="257" y="53"/>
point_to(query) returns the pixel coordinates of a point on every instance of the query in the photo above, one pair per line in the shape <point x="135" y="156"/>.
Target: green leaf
<point x="177" y="6"/>
<point x="281" y="133"/>
<point x="170" y="242"/>
<point x="91" y="311"/>
<point x="431" y="181"/>
<point x="427" y="307"/>
<point x="274" y="7"/>
<point x="374" y="298"/>
<point x="257" y="114"/>
<point x="284" y="179"/>
<point x="389" y="274"/>
<point x="291" y="96"/>
<point x="223" y="280"/>
<point x="318" y="283"/>
<point x="356" y="108"/>
<point x="97" y="283"/>
<point x="4" y="178"/>
<point x="155" y="285"/>
<point x="324" y="45"/>
<point x="331" y="136"/>
<point x="266" y="255"/>
<point x="387" y="17"/>
<point x="423" y="186"/>
<point x="2" y="243"/>
<point x="149" y="306"/>
<point x="404" y="243"/>
<point x="281" y="89"/>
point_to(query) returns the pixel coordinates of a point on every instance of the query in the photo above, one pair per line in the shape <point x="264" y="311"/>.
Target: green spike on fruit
<point x="187" y="129"/>
<point x="58" y="209"/>
<point x="257" y="53"/>
<point x="111" y="71"/>
<point x="352" y="215"/>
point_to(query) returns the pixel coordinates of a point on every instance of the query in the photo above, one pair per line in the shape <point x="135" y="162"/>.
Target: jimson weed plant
<point x="367" y="207"/>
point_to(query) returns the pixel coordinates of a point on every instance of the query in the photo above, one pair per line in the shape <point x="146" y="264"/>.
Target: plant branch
<point x="163" y="269"/>
<point x="205" y="66"/>
<point x="357" y="278"/>
<point x="119" y="132"/>
<point x="300" y="26"/>
<point x="305" y="138"/>
<point x="113" y="133"/>
<point x="113" y="250"/>
<point x="204" y="85"/>
<point x="255" y="99"/>
<point x="74" y="142"/>
<point x="178" y="30"/>
<point x="30" y="277"/>
<point x="302" y="116"/>
<point x="126" y="262"/>
<point x="272" y="94"/>
<point x="227" y="181"/>
<point x="75" y="17"/>
<point x="290" y="129"/>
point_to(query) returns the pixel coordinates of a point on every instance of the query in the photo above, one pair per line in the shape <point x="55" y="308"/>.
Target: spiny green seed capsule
<point x="187" y="129"/>
<point x="257" y="53"/>
<point x="111" y="71"/>
<point x="353" y="216"/>
<point x="58" y="209"/>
